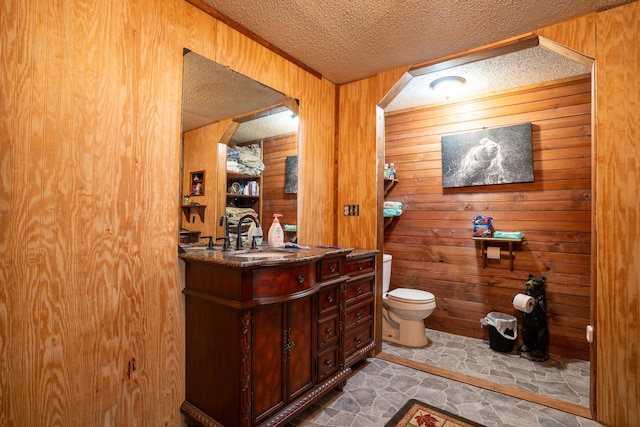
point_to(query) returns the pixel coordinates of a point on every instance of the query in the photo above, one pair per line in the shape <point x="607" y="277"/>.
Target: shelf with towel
<point x="483" y="249"/>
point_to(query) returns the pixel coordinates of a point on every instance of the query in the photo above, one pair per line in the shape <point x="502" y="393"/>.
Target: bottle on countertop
<point x="276" y="235"/>
<point x="255" y="231"/>
<point x="386" y="170"/>
<point x="392" y="171"/>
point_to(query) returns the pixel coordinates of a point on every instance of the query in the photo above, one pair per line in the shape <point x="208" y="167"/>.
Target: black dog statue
<point x="535" y="331"/>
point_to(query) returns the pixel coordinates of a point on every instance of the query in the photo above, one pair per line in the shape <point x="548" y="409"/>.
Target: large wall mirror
<point x="239" y="151"/>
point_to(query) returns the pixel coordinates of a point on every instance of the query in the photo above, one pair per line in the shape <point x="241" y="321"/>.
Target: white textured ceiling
<point x="347" y="40"/>
<point x="522" y="68"/>
<point x="212" y="92"/>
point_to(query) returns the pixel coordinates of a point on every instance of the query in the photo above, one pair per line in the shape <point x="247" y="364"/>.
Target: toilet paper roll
<point x="493" y="252"/>
<point x="523" y="303"/>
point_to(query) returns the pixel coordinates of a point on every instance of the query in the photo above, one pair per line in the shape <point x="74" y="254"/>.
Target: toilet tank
<point x="386" y="272"/>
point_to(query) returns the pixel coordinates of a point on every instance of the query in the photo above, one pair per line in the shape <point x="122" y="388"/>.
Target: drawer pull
<point x="359" y="316"/>
<point x="330" y="298"/>
<point x="360" y="267"/>
<point x="332" y="269"/>
<point x="329" y="363"/>
<point x="301" y="279"/>
<point x="329" y="331"/>
<point x="359" y="291"/>
<point x="358" y="340"/>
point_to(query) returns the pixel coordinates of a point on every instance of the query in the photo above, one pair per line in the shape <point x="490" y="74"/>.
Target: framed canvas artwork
<point x="501" y="155"/>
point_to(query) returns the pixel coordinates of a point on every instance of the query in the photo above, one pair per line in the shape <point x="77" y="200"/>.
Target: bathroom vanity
<point x="265" y="335"/>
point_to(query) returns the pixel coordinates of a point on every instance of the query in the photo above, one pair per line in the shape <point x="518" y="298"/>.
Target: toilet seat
<point x="412" y="296"/>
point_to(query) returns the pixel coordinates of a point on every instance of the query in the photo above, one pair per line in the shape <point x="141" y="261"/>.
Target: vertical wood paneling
<point x="618" y="216"/>
<point x="358" y="153"/>
<point x="431" y="242"/>
<point x="91" y="312"/>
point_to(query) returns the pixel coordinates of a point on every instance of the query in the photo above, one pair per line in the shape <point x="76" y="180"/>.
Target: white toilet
<point x="404" y="311"/>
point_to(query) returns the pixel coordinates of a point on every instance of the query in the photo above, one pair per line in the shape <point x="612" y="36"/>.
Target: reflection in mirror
<point x="242" y="134"/>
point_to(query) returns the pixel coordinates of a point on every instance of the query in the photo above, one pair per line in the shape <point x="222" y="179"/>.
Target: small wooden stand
<point x="483" y="241"/>
<point x="186" y="210"/>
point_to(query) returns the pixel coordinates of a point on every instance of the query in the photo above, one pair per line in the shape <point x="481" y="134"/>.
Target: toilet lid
<point x="410" y="295"/>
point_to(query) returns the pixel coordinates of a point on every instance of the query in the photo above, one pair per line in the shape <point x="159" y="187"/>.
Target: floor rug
<point x="418" y="414"/>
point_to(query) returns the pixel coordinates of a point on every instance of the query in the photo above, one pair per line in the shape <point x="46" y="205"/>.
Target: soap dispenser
<point x="276" y="235"/>
<point x="255" y="231"/>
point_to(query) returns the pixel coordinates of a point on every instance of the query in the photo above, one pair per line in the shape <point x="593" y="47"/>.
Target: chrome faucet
<point x="224" y="219"/>
<point x="239" y="234"/>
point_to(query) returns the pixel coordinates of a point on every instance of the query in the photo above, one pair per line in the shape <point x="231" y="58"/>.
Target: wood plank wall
<point x="274" y="199"/>
<point x="91" y="310"/>
<point x="431" y="242"/>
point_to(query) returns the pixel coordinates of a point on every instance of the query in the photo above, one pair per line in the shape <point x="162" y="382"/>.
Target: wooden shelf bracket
<point x="483" y="249"/>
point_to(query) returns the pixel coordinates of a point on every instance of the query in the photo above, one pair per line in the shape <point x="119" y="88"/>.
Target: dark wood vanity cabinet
<point x="359" y="307"/>
<point x="262" y="344"/>
<point x="283" y="355"/>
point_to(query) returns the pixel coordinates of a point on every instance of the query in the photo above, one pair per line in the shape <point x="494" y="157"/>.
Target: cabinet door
<point x="268" y="360"/>
<point x="300" y="346"/>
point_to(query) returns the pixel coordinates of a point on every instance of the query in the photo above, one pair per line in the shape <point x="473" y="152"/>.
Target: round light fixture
<point x="448" y="86"/>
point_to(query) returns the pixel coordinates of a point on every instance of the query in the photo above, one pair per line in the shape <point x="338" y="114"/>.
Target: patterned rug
<point x="419" y="414"/>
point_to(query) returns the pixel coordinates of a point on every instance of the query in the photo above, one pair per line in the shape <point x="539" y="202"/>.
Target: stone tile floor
<point x="377" y="389"/>
<point x="559" y="377"/>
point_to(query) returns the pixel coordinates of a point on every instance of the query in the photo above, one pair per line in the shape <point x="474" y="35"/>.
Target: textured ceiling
<point x="517" y="69"/>
<point x="354" y="39"/>
<point x="212" y="92"/>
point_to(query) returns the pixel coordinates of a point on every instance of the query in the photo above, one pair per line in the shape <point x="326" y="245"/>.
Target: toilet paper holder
<point x="483" y="248"/>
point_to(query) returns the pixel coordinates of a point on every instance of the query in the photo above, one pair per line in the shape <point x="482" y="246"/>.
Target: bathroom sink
<point x="194" y="248"/>
<point x="263" y="254"/>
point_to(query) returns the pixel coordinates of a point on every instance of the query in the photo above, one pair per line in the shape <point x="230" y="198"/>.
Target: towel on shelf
<point x="233" y="154"/>
<point x="392" y="212"/>
<point x="392" y="205"/>
<point x="233" y="166"/>
<point x="508" y="234"/>
<point x="235" y="214"/>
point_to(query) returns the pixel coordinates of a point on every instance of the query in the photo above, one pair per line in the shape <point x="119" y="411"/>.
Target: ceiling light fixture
<point x="447" y="86"/>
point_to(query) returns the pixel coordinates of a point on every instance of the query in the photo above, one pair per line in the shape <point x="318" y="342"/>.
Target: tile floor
<point x="377" y="388"/>
<point x="559" y="377"/>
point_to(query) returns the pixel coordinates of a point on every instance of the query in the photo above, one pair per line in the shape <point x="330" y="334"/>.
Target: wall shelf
<point x="388" y="185"/>
<point x="484" y="240"/>
<point x="186" y="210"/>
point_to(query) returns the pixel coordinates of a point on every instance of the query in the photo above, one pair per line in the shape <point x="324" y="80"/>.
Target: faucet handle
<point x="254" y="245"/>
<point x="227" y="243"/>
<point x="209" y="243"/>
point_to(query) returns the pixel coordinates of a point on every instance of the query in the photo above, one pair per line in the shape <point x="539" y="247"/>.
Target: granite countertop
<point x="253" y="258"/>
<point x="361" y="252"/>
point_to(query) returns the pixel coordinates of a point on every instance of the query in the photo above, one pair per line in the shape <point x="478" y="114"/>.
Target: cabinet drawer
<point x="328" y="331"/>
<point x="269" y="282"/>
<point x="328" y="299"/>
<point x="327" y="362"/>
<point x="330" y="268"/>
<point x="359" y="314"/>
<point x="362" y="265"/>
<point x="357" y="338"/>
<point x="359" y="290"/>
